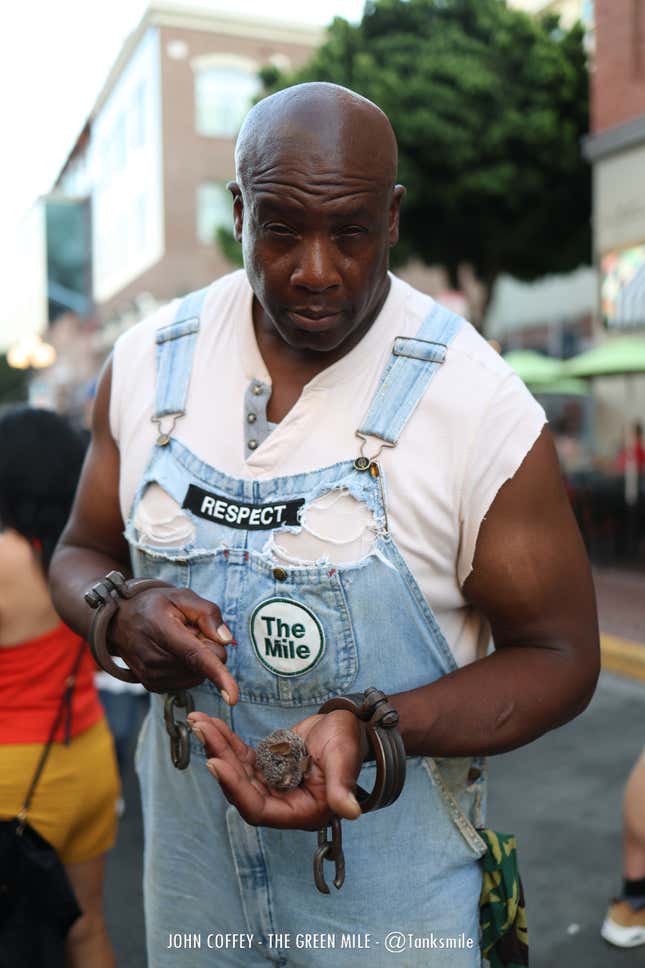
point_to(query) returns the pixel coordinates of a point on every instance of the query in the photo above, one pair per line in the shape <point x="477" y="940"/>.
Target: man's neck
<point x="292" y="368"/>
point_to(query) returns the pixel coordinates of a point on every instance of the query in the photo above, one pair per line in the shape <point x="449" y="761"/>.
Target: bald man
<point x="342" y="486"/>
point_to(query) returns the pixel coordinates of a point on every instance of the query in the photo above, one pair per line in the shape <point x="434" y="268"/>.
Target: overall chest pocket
<point x="295" y="640"/>
<point x="172" y="566"/>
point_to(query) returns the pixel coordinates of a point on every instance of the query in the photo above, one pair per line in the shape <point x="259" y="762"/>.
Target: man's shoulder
<point x="468" y="350"/>
<point x="475" y="352"/>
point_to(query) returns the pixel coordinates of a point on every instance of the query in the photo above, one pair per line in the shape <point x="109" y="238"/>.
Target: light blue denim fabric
<point x="412" y="867"/>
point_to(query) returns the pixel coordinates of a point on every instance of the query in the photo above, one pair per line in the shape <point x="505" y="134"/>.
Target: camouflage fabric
<point x="502" y="912"/>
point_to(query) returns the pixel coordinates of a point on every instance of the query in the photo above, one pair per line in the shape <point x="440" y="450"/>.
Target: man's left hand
<point x="337" y="745"/>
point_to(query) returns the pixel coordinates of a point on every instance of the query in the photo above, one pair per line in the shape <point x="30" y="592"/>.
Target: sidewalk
<point x="621" y="610"/>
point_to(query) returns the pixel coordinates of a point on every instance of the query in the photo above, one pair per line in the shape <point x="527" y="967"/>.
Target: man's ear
<point x="393" y="218"/>
<point x="238" y="209"/>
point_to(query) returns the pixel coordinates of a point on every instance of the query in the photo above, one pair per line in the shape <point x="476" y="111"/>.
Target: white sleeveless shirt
<point x="469" y="434"/>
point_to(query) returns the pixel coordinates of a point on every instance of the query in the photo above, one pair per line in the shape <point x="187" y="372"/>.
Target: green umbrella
<point x="622" y="356"/>
<point x="571" y="387"/>
<point x="625" y="354"/>
<point x="534" y="368"/>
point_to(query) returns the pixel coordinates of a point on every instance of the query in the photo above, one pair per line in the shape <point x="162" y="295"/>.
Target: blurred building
<point x="569" y="11"/>
<point x="552" y="315"/>
<point x="156" y="153"/>
<point x="616" y="149"/>
<point x="48" y="313"/>
<point x="25" y="299"/>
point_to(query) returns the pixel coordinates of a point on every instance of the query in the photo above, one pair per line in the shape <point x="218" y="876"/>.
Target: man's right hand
<point x="173" y="639"/>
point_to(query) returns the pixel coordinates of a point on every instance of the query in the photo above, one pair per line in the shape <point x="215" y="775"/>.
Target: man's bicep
<point x="95" y="521"/>
<point x="531" y="576"/>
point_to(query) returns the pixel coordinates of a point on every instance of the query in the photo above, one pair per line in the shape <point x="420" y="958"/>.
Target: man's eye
<point x="276" y="228"/>
<point x="351" y="231"/>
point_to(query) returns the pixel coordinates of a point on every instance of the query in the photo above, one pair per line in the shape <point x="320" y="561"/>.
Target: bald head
<point x="316" y="208"/>
<point x="318" y="120"/>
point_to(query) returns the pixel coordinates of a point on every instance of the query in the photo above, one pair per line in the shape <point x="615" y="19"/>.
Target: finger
<point x="200" y="657"/>
<point x="258" y="805"/>
<point x="339" y="765"/>
<point x="217" y="745"/>
<point x="204" y="614"/>
<point x="238" y="790"/>
<point x="220" y="650"/>
<point x="241" y="749"/>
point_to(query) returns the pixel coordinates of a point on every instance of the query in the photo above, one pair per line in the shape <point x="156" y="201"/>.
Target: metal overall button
<point x="178" y="730"/>
<point x="364" y="463"/>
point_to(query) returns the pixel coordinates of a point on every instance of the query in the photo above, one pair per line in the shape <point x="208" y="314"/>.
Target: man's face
<point x="316" y="233"/>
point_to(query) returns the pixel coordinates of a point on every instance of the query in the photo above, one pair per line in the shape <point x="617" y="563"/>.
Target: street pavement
<point x="620" y="602"/>
<point x="561" y="796"/>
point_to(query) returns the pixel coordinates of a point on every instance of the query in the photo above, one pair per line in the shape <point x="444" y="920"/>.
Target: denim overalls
<point x="305" y="632"/>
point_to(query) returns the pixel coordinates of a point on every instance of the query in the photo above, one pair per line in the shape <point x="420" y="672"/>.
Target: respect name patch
<point x="250" y="517"/>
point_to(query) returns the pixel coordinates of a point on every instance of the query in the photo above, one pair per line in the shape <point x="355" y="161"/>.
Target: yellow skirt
<point x="74" y="806"/>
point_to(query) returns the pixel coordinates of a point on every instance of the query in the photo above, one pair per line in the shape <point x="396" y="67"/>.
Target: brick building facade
<point x="618" y="81"/>
<point x="158" y="150"/>
<point x="616" y="149"/>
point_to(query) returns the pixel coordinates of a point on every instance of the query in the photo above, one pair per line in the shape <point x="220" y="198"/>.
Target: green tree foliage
<point x="228" y="245"/>
<point x="489" y="106"/>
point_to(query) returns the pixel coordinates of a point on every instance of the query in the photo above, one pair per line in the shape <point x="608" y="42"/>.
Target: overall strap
<point x="405" y="379"/>
<point x="175" y="348"/>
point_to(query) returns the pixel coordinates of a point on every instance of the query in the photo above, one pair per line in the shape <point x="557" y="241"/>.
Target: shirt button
<point x="257" y="389"/>
<point x="279" y="574"/>
<point x="251" y="417"/>
<point x="252" y="444"/>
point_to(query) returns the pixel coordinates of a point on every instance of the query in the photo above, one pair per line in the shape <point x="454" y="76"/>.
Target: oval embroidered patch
<point x="287" y="637"/>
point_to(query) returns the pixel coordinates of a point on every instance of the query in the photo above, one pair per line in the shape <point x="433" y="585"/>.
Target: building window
<point x="137" y="117"/>
<point x="223" y="95"/>
<point x="214" y="210"/>
<point x="118" y="146"/>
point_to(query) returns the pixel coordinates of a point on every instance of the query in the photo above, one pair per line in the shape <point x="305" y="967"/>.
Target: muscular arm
<point x="532" y="580"/>
<point x="171" y="638"/>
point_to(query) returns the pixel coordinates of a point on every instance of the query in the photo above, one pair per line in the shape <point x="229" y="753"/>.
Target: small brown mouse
<point x="283" y="759"/>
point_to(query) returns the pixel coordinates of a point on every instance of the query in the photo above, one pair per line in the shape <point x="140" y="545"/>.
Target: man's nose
<point x="316" y="269"/>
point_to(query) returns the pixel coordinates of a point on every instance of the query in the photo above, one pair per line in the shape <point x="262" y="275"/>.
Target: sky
<point x="55" y="56"/>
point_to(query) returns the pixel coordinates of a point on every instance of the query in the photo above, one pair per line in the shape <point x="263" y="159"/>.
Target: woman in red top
<point x="74" y="806"/>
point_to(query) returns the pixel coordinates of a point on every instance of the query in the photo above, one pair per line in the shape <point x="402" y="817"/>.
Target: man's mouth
<point x="314" y="319"/>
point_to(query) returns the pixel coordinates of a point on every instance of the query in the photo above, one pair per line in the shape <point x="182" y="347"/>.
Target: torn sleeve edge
<point x="512" y="463"/>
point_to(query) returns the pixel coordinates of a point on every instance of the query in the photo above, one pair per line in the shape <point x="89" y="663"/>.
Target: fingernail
<point x="225" y="696"/>
<point x="198" y="734"/>
<point x="353" y="802"/>
<point x="224" y="633"/>
<point x="211" y="769"/>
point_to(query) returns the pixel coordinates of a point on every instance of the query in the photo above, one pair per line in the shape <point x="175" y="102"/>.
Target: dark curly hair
<point x="41" y="455"/>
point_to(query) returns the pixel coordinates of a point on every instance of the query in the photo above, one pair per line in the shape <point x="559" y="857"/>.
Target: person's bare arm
<point x="171" y="638"/>
<point x="532" y="580"/>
